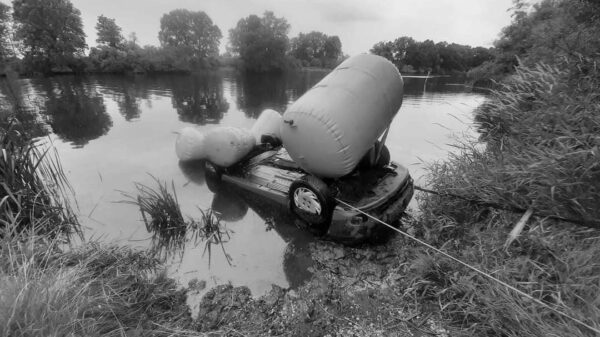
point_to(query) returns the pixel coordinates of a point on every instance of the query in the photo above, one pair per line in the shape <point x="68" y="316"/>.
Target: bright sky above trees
<point x="359" y="23"/>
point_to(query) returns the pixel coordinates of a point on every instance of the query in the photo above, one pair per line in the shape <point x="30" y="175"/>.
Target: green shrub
<point x="542" y="148"/>
<point x="539" y="149"/>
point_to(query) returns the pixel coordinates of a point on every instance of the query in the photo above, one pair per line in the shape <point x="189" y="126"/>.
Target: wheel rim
<point x="306" y="200"/>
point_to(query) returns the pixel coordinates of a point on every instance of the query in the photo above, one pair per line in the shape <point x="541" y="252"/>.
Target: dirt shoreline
<point x="353" y="292"/>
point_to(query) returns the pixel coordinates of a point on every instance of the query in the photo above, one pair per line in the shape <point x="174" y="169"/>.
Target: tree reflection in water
<point x="258" y="91"/>
<point x="128" y="92"/>
<point x="14" y="103"/>
<point x="198" y="98"/>
<point x="75" y="111"/>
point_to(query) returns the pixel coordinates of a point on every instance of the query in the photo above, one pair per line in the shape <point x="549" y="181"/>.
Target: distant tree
<point x="549" y="31"/>
<point x="385" y="49"/>
<point x="109" y="59"/>
<point x="132" y="40"/>
<point x="261" y="43"/>
<point x="480" y="55"/>
<point x="455" y="57"/>
<point x="426" y="57"/>
<point x="50" y="33"/>
<point x="192" y="32"/>
<point x="5" y="44"/>
<point x="316" y="49"/>
<point x="400" y="51"/>
<point x="333" y="48"/>
<point x="442" y="57"/>
<point x="109" y="33"/>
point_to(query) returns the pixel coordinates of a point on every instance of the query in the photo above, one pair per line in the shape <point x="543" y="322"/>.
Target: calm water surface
<point x="112" y="131"/>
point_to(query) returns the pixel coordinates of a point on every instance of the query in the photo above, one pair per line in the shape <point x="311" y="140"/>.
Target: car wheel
<point x="213" y="175"/>
<point x="311" y="200"/>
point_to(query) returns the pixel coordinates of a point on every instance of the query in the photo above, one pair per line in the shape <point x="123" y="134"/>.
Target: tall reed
<point x="163" y="218"/>
<point x="540" y="150"/>
<point x="49" y="289"/>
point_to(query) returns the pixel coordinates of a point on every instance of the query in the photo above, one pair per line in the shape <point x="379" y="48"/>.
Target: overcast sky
<point x="358" y="23"/>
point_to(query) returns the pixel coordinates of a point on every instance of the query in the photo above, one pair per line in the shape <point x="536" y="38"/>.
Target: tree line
<point x="551" y="32"/>
<point x="412" y="56"/>
<point x="46" y="36"/>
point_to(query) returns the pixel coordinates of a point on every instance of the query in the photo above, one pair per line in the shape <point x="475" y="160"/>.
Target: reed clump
<point x="171" y="232"/>
<point x="33" y="189"/>
<point x="162" y="216"/>
<point x="539" y="150"/>
<point x="49" y="287"/>
<point x="541" y="131"/>
<point x="93" y="290"/>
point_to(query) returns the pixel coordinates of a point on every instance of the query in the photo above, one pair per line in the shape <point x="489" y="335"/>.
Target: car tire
<point x="213" y="175"/>
<point x="312" y="201"/>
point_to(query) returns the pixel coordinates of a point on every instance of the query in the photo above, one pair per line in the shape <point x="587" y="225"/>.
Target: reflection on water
<point x="193" y="171"/>
<point x="234" y="203"/>
<point x="260" y="91"/>
<point x="198" y="99"/>
<point x="111" y="131"/>
<point x="229" y="205"/>
<point x="74" y="109"/>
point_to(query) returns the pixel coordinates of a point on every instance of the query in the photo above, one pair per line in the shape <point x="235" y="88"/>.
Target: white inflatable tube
<point x="190" y="145"/>
<point x="329" y="129"/>
<point x="223" y="146"/>
<point x="269" y="122"/>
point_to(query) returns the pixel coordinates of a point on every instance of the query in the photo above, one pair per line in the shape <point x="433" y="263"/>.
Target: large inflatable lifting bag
<point x="330" y="128"/>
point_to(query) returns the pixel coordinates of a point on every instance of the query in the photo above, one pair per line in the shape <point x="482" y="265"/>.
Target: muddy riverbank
<point x="354" y="291"/>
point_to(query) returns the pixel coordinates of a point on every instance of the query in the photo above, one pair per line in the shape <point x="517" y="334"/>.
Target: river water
<point x="113" y="131"/>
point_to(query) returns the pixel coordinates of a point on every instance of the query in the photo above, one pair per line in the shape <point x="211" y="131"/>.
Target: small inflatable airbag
<point x="226" y="146"/>
<point x="190" y="145"/>
<point x="269" y="122"/>
<point x="223" y="146"/>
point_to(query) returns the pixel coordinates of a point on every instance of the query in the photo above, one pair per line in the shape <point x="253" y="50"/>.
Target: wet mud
<point x="354" y="291"/>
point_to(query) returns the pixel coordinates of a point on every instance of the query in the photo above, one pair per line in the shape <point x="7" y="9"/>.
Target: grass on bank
<point x="93" y="290"/>
<point x="541" y="134"/>
<point x="50" y="289"/>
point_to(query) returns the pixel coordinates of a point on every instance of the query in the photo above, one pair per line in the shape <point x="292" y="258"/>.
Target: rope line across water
<point x="481" y="272"/>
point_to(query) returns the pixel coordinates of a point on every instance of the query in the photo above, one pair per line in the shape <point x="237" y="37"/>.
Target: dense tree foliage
<point x="414" y="56"/>
<point x="191" y="33"/>
<point x="189" y="45"/>
<point x="544" y="121"/>
<point x="316" y="49"/>
<point x="50" y="33"/>
<point x="50" y="38"/>
<point x="261" y="42"/>
<point x="5" y="46"/>
<point x="109" y="33"/>
<point x="549" y="31"/>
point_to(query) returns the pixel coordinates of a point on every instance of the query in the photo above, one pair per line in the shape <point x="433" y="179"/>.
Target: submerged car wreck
<point x="323" y="158"/>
